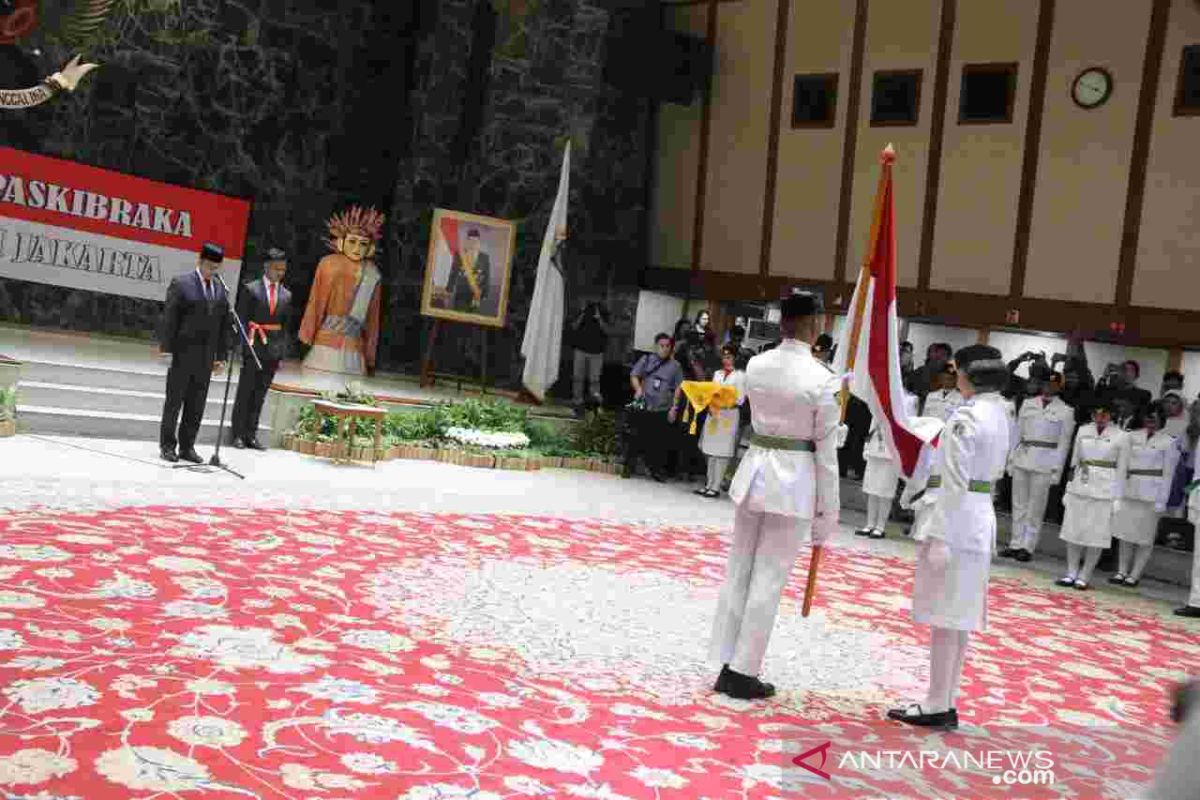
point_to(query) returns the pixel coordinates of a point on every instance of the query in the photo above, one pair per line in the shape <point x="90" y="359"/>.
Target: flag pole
<point x="859" y="303"/>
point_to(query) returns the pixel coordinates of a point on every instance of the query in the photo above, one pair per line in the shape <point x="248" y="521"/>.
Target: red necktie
<point x="271" y="297"/>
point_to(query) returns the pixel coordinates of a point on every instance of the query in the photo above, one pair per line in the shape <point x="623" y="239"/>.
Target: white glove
<point x="1116" y="506"/>
<point x="937" y="553"/>
<point x="842" y="432"/>
<point x="1160" y="508"/>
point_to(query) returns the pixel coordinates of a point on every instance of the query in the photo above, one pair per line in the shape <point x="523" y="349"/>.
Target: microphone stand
<point x="236" y="323"/>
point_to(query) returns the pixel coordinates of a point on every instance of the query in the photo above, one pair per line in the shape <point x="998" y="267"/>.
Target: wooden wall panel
<point x="810" y="159"/>
<point x="737" y="165"/>
<point x="676" y="167"/>
<point x="981" y="164"/>
<point x="899" y="36"/>
<point x="1083" y="170"/>
<point x="1167" y="273"/>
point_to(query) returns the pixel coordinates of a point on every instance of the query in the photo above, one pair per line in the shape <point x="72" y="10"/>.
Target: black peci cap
<point x="212" y="252"/>
<point x="802" y="304"/>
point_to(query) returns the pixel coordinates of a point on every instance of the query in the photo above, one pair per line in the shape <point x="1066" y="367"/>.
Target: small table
<point x="345" y="414"/>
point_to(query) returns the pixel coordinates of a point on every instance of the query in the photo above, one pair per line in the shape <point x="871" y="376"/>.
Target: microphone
<point x="221" y="281"/>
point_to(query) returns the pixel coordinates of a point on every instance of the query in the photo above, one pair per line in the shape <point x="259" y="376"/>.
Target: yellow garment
<point x="707" y="394"/>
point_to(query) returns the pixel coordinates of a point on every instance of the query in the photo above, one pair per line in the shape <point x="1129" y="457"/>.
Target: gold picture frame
<point x="466" y="281"/>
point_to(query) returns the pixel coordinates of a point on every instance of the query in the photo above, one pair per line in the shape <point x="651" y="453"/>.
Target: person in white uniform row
<point x="881" y="477"/>
<point x="1192" y="609"/>
<point x="1152" y="458"/>
<point x="1045" y="426"/>
<point x="1100" y="464"/>
<point x="718" y="440"/>
<point x="785" y="490"/>
<point x="944" y="398"/>
<point x="958" y="532"/>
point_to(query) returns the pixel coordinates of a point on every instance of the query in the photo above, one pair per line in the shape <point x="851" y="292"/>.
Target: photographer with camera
<point x="589" y="338"/>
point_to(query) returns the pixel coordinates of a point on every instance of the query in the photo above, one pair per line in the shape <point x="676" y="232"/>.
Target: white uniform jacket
<point x="1100" y="462"/>
<point x="1151" y="468"/>
<point x="876" y="445"/>
<point x="1044" y="433"/>
<point x="941" y="403"/>
<point x="792" y="395"/>
<point x="971" y="455"/>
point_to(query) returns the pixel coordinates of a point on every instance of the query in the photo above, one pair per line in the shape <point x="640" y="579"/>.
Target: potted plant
<point x="8" y="411"/>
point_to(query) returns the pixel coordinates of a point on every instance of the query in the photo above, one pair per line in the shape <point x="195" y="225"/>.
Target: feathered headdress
<point x="358" y="220"/>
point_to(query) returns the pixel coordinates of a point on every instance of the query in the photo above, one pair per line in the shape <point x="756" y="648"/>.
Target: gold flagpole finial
<point x="888" y="155"/>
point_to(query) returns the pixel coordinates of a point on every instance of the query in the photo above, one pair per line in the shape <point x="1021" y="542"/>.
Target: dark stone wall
<point x="251" y="98"/>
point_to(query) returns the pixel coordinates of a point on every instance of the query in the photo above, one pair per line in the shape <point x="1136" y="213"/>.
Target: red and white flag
<point x="869" y="354"/>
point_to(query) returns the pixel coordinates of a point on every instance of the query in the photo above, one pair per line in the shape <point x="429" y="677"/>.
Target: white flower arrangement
<point x="491" y="439"/>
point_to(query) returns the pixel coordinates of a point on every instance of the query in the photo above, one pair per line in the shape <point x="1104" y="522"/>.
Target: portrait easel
<point x="429" y="374"/>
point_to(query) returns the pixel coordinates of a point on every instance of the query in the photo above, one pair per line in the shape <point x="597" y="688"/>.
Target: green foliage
<point x="8" y="404"/>
<point x="596" y="434"/>
<point x="484" y="415"/>
<point x="545" y="437"/>
<point x="419" y="426"/>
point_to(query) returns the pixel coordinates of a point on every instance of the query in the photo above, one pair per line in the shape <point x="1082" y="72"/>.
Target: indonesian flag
<point x="869" y="355"/>
<point x="542" y="345"/>
<point x="449" y="238"/>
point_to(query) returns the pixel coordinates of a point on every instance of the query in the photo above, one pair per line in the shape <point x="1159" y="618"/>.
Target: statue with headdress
<point x="341" y="321"/>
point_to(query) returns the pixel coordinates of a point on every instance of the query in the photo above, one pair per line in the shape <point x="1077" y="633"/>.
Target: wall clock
<point x="1092" y="87"/>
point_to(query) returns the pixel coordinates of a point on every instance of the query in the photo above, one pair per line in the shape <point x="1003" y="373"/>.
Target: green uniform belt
<point x="782" y="443"/>
<point x="935" y="482"/>
<point x="1047" y="445"/>
<point x="1101" y="464"/>
<point x="1157" y="473"/>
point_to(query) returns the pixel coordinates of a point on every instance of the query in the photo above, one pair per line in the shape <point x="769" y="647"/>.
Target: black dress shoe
<point x="1188" y="611"/>
<point x="1024" y="556"/>
<point x="914" y="715"/>
<point x="168" y="455"/>
<point x="255" y="444"/>
<point x="863" y="532"/>
<point x="239" y="444"/>
<point x="1066" y="582"/>
<point x="745" y="687"/>
<point x="1008" y="552"/>
<point x="722" y="680"/>
<point x="192" y="456"/>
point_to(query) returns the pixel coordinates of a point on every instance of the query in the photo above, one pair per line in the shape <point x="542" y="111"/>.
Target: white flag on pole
<point x="542" y="345"/>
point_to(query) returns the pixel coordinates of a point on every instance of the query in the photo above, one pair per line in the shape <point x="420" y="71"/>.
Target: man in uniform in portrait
<point x="470" y="277"/>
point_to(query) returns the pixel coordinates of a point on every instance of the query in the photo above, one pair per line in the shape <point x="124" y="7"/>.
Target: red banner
<point x="69" y="224"/>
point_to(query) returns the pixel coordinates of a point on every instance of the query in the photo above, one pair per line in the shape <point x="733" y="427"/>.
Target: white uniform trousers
<point x="1030" y="492"/>
<point x="761" y="557"/>
<point x="1194" y="597"/>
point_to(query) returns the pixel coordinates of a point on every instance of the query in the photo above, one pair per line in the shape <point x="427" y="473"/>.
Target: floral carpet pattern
<point x="164" y="652"/>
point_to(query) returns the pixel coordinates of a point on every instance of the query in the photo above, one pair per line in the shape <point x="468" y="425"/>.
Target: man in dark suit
<point x="195" y="337"/>
<point x="470" y="276"/>
<point x="264" y="306"/>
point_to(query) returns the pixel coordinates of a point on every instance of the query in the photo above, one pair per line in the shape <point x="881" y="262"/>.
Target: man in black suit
<point x="470" y="275"/>
<point x="264" y="306"/>
<point x="195" y="337"/>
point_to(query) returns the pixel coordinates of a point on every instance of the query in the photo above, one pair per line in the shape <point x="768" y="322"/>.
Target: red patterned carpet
<point x="160" y="652"/>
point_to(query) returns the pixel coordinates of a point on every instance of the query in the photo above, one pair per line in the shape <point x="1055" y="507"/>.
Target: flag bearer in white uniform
<point x="1100" y="464"/>
<point x="785" y="490"/>
<point x="881" y="477"/>
<point x="1045" y="427"/>
<point x="1152" y="459"/>
<point x="943" y="400"/>
<point x="959" y="535"/>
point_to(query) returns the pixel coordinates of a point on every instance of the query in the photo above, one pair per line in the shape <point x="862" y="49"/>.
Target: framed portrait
<point x="468" y="268"/>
